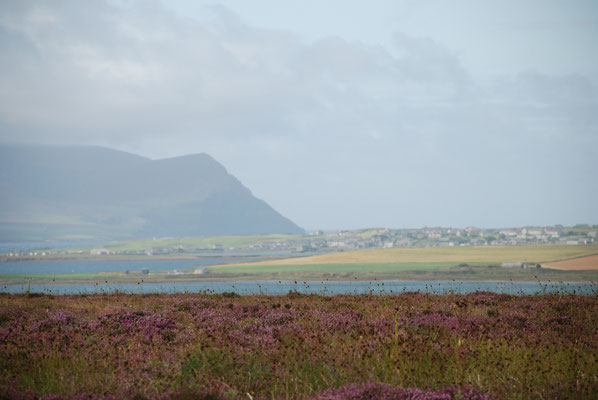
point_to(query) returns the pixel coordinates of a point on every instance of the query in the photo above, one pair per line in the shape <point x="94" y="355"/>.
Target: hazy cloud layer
<point x="332" y="133"/>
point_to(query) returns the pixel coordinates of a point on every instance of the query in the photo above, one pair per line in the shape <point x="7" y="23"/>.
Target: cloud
<point x="95" y="71"/>
<point x="330" y="110"/>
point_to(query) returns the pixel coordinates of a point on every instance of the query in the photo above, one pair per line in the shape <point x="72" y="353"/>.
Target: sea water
<point x="84" y="267"/>
<point x="386" y="287"/>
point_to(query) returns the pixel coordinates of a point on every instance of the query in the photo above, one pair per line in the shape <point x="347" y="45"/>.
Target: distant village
<point x="437" y="237"/>
<point x="325" y="242"/>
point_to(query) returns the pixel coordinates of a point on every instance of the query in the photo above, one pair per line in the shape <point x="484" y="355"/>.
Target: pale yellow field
<point x="490" y="254"/>
<point x="576" y="264"/>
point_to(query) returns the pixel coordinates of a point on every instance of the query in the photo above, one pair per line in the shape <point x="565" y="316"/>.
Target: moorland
<point x="207" y="346"/>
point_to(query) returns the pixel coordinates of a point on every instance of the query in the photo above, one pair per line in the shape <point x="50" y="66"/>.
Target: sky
<point x="339" y="114"/>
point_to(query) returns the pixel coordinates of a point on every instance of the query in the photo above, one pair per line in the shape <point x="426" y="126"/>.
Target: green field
<point x="71" y="277"/>
<point x="240" y="241"/>
<point x="332" y="268"/>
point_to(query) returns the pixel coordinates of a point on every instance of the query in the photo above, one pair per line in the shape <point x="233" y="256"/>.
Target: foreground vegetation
<point x="413" y="345"/>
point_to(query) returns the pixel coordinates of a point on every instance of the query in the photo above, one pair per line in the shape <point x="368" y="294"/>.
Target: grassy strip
<point x="353" y="268"/>
<point x="69" y="276"/>
<point x="425" y="272"/>
<point x="469" y="273"/>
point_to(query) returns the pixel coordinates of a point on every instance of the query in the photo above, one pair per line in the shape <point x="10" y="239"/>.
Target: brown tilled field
<point x="576" y="264"/>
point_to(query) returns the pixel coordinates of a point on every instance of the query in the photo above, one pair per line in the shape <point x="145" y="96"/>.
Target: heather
<point x="224" y="346"/>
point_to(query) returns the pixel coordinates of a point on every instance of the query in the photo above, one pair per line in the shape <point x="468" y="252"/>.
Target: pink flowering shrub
<point x="380" y="391"/>
<point x="206" y="346"/>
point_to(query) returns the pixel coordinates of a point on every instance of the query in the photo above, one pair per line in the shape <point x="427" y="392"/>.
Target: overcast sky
<point x="340" y="114"/>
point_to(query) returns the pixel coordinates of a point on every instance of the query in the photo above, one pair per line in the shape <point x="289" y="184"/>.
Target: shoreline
<point x="257" y="257"/>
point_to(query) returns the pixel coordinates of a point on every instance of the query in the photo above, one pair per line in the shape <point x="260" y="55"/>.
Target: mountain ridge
<point x="52" y="192"/>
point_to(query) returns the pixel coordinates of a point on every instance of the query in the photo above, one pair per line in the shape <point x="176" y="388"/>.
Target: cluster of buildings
<point x="434" y="237"/>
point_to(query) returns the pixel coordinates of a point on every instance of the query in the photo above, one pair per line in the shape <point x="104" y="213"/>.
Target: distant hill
<point x="71" y="193"/>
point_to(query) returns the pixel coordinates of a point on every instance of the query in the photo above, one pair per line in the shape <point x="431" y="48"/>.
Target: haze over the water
<point x="340" y="114"/>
